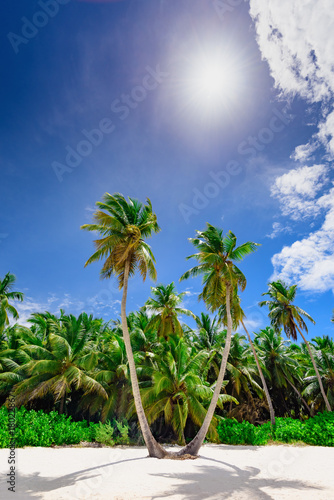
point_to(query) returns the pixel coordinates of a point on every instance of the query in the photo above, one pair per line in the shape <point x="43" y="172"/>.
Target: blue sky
<point x="117" y="96"/>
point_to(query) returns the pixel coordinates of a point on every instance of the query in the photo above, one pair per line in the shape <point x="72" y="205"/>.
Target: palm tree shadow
<point x="33" y="485"/>
<point x="227" y="482"/>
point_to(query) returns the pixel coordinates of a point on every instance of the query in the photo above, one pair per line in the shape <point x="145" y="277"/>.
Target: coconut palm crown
<point x="7" y="294"/>
<point x="216" y="254"/>
<point x="123" y="225"/>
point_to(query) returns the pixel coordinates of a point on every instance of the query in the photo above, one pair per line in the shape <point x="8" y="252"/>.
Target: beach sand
<point x="221" y="472"/>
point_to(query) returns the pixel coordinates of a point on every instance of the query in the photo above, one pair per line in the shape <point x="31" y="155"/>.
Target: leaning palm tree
<point x="238" y="316"/>
<point x="122" y="225"/>
<point x="6" y="294"/>
<point x="283" y="313"/>
<point x="216" y="256"/>
<point x="165" y="307"/>
<point x="178" y="392"/>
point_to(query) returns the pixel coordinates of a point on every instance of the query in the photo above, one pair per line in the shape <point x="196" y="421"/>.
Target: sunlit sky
<point x="218" y="111"/>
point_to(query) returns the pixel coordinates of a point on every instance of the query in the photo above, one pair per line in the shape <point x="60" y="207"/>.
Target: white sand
<point x="221" y="472"/>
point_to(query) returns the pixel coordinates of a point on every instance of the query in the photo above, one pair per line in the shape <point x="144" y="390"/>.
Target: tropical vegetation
<point x="149" y="377"/>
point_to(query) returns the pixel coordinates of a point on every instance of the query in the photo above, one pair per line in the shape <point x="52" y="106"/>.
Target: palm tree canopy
<point x="165" y="307"/>
<point x="123" y="225"/>
<point x="282" y="312"/>
<point x="216" y="254"/>
<point x="7" y="294"/>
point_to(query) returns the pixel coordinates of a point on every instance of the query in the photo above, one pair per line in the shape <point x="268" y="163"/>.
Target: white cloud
<point x="296" y="39"/>
<point x="326" y="134"/>
<point x="310" y="261"/>
<point x="305" y="151"/>
<point x="296" y="191"/>
<point x="278" y="228"/>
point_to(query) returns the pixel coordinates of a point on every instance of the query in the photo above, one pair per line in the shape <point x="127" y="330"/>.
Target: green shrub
<point x="104" y="434"/>
<point x="123" y="430"/>
<point x="318" y="430"/>
<point x="230" y="431"/>
<point x="288" y="430"/>
<point x="36" y="428"/>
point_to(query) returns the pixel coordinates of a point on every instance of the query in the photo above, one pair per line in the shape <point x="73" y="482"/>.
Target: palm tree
<point x="6" y="294"/>
<point x="283" y="313"/>
<point x="165" y="307"/>
<point x="59" y="365"/>
<point x="209" y="332"/>
<point x="122" y="225"/>
<point x="178" y="391"/>
<point x="221" y="276"/>
<point x="280" y="362"/>
<point x="324" y="358"/>
<point x="238" y="316"/>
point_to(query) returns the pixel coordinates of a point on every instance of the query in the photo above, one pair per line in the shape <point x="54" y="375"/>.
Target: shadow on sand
<point x="217" y="482"/>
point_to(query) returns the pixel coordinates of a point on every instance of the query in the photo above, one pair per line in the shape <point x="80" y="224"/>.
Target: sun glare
<point x="213" y="80"/>
<point x="212" y="84"/>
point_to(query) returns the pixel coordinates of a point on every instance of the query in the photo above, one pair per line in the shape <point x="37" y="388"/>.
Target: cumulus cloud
<point x="297" y="189"/>
<point x="309" y="262"/>
<point x="296" y="39"/>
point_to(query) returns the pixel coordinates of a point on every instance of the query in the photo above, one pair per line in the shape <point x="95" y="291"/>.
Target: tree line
<point x="149" y="366"/>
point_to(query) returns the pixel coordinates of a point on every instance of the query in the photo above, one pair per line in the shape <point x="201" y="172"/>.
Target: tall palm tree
<point x="280" y="361"/>
<point x="283" y="313"/>
<point x="165" y="307"/>
<point x="122" y="225"/>
<point x="7" y="294"/>
<point x="216" y="256"/>
<point x="238" y="316"/>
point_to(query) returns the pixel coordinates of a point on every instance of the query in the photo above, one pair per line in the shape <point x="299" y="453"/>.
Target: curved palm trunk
<point x="264" y="385"/>
<point x="316" y="371"/>
<point x="299" y="395"/>
<point x="154" y="448"/>
<point x="193" y="447"/>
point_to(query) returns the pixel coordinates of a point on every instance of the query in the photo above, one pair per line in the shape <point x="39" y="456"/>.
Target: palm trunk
<point x="264" y="385"/>
<point x="316" y="371"/>
<point x="154" y="448"/>
<point x="299" y="395"/>
<point x="193" y="447"/>
<point x="62" y="402"/>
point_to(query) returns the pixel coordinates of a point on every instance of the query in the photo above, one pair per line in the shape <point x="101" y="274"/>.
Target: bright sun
<point x="212" y="80"/>
<point x="212" y="84"/>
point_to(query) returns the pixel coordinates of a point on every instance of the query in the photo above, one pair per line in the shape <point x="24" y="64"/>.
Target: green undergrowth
<point x="36" y="428"/>
<point x="318" y="430"/>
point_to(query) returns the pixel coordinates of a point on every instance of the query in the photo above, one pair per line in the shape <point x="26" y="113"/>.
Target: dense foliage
<point x="37" y="428"/>
<point x="177" y="375"/>
<point x="318" y="430"/>
<point x="151" y="370"/>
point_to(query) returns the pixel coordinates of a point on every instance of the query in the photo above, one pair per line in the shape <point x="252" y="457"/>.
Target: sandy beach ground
<point x="221" y="472"/>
